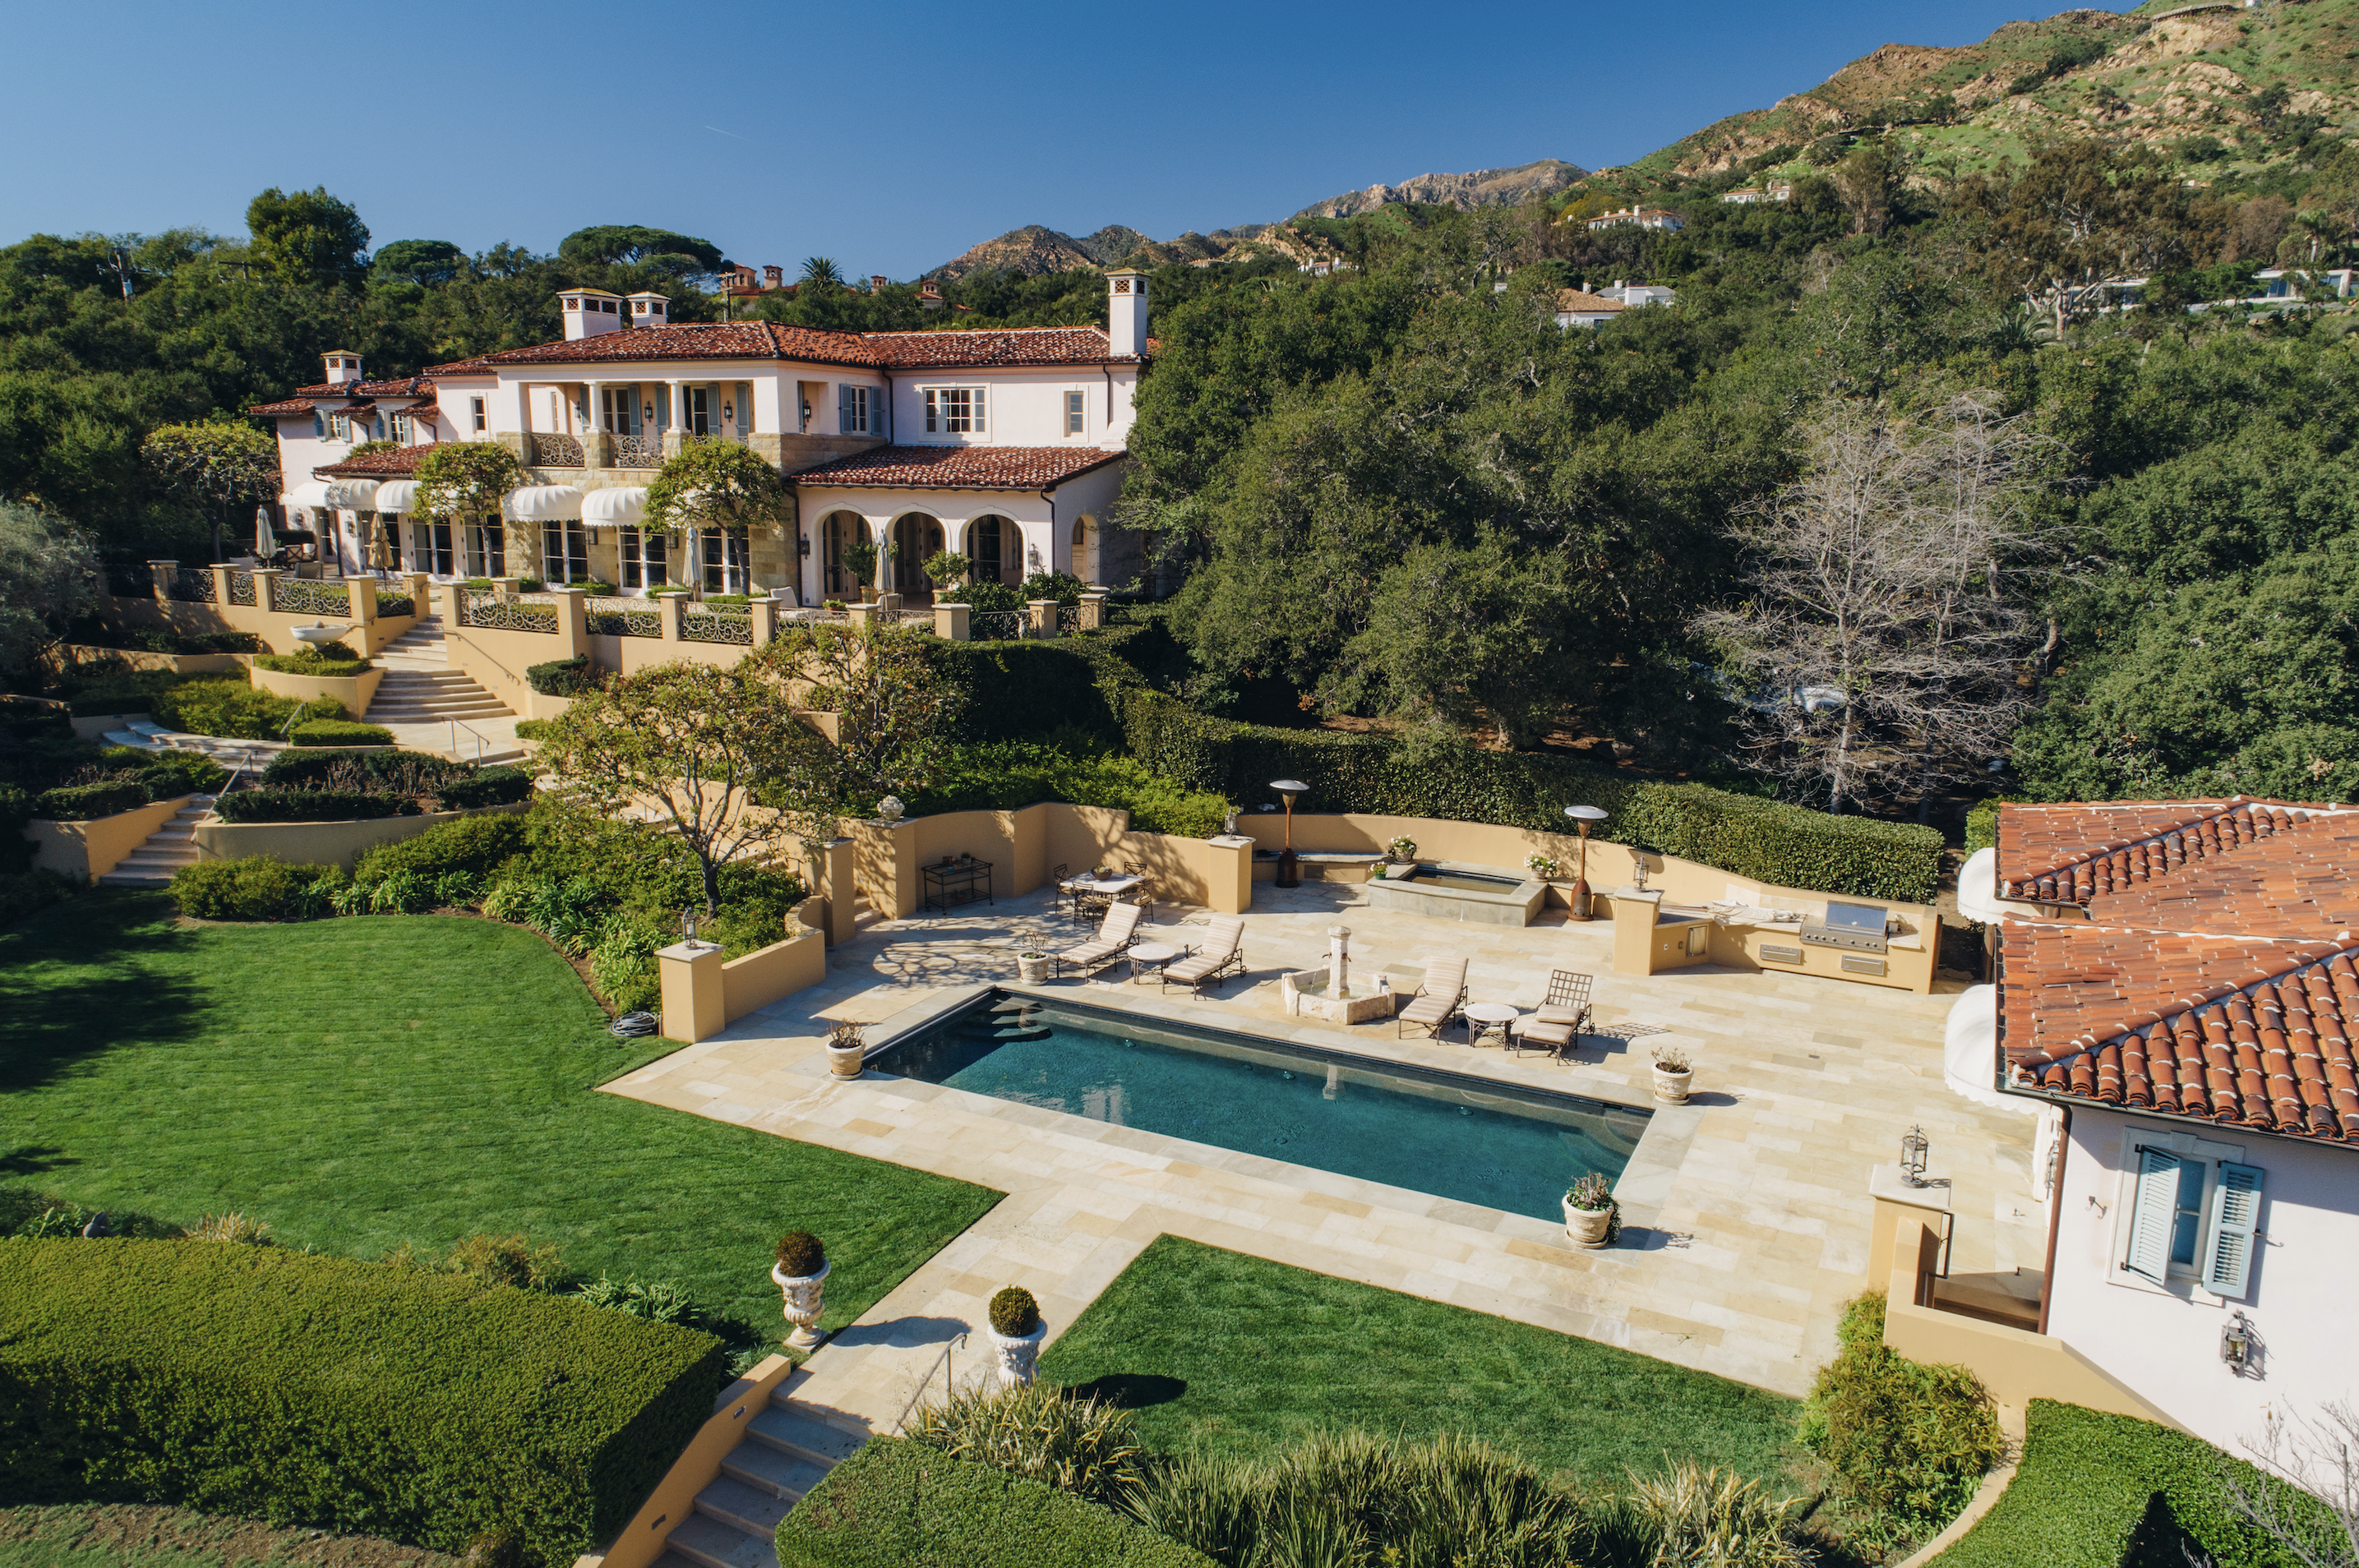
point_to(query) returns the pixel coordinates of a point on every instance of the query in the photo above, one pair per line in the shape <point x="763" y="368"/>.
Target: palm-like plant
<point x="820" y="273"/>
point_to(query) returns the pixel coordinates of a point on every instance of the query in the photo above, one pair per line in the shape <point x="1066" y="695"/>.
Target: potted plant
<point x="1400" y="858"/>
<point x="846" y="1050"/>
<point x="1032" y="967"/>
<point x="801" y="1274"/>
<point x="1591" y="1218"/>
<point x="1016" y="1331"/>
<point x="836" y="605"/>
<point x="1541" y="866"/>
<point x="1673" y="1073"/>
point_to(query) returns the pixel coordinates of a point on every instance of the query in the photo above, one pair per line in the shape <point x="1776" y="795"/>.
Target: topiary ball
<point x="1014" y="1313"/>
<point x="800" y="1255"/>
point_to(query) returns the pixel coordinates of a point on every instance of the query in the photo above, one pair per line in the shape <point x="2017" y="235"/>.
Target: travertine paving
<point x="1748" y="1209"/>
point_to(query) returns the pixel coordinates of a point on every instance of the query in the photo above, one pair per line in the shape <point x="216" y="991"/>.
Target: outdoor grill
<point x="1857" y="927"/>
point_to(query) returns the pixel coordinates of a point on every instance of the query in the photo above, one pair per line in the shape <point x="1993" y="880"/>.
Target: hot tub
<point x="1480" y="895"/>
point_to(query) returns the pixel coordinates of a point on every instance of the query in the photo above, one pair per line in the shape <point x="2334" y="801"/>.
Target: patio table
<point x="1482" y="1017"/>
<point x="1110" y="887"/>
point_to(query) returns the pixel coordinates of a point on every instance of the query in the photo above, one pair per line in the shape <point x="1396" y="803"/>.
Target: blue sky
<point x="888" y="139"/>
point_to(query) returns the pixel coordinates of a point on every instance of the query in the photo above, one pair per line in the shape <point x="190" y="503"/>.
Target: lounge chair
<point x="1115" y="933"/>
<point x="1562" y="1018"/>
<point x="1437" y="1002"/>
<point x="1222" y="952"/>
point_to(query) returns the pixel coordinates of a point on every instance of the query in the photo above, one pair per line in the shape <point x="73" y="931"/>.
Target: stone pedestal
<point x="805" y="1295"/>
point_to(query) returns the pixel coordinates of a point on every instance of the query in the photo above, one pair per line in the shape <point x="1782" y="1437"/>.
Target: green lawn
<point x="1235" y="1355"/>
<point x="139" y="1535"/>
<point x="362" y="1082"/>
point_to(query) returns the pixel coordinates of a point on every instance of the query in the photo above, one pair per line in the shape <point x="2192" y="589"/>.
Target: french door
<point x="643" y="562"/>
<point x="564" y="552"/>
<point x="429" y="547"/>
<point x="724" y="560"/>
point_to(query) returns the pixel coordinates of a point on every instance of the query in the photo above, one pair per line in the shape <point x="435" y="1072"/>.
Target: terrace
<point x="1748" y="1211"/>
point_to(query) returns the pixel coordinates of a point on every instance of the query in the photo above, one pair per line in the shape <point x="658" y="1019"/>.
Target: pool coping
<point x="1645" y="1184"/>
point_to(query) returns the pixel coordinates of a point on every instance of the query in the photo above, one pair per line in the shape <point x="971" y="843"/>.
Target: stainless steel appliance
<point x="1857" y="927"/>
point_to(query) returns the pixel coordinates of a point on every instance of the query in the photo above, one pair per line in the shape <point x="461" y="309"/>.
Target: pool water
<point x="1467" y="882"/>
<point x="1436" y="1132"/>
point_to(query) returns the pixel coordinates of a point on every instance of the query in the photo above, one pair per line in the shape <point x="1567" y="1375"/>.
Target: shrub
<point x="339" y="733"/>
<point x="22" y="721"/>
<point x="982" y="596"/>
<point x="1907" y="1444"/>
<point x="1014" y="1312"/>
<point x="564" y="677"/>
<point x="254" y="887"/>
<point x="87" y="803"/>
<point x="476" y="845"/>
<point x="899" y="1504"/>
<point x="390" y="604"/>
<point x="1981" y="822"/>
<point x="24" y="893"/>
<point x="224" y="1376"/>
<point x="1085" y="1446"/>
<point x="1698" y="1515"/>
<point x="316" y="662"/>
<point x="534" y="729"/>
<point x="230" y="1227"/>
<point x="496" y="785"/>
<point x="215" y="705"/>
<point x="800" y="1254"/>
<point x="167" y="774"/>
<point x="1063" y="587"/>
<point x="658" y="1301"/>
<point x="311" y="805"/>
<point x="506" y="1261"/>
<point x="124" y="690"/>
<point x="397" y="773"/>
<point x="16" y="816"/>
<point x="1010" y="775"/>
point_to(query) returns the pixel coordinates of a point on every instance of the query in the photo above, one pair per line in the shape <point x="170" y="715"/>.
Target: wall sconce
<point x="1913" y="1149"/>
<point x="729" y="411"/>
<point x="802" y="545"/>
<point x="2236" y="1344"/>
<point x="647" y="413"/>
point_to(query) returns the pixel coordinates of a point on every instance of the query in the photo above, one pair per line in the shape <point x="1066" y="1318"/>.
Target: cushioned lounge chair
<point x="1115" y="933"/>
<point x="1222" y="953"/>
<point x="1562" y="1018"/>
<point x="1437" y="1002"/>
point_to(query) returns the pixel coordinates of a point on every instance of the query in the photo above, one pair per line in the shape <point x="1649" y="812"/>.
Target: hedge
<point x="897" y="1504"/>
<point x="293" y="769"/>
<point x="1981" y="822"/>
<point x="339" y="733"/>
<point x="475" y="845"/>
<point x="255" y="887"/>
<point x="494" y="785"/>
<point x="88" y="803"/>
<point x="311" y="805"/>
<point x="310" y="665"/>
<point x="564" y="677"/>
<point x="16" y="815"/>
<point x="353" y="1397"/>
<point x="2091" y="1487"/>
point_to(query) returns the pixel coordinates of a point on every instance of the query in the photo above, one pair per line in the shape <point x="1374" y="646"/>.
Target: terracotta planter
<point x="1670" y="1088"/>
<point x="1018" y="1355"/>
<point x="804" y="1294"/>
<point x="1586" y="1227"/>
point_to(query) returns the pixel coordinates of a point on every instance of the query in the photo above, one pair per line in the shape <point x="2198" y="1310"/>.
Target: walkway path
<point x="1748" y="1209"/>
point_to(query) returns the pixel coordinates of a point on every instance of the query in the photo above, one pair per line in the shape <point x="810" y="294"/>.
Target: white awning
<point x="397" y="495"/>
<point x="310" y="493"/>
<point x="543" y="503"/>
<point x="1970" y="1051"/>
<point x="622" y="506"/>
<point x="359" y="494"/>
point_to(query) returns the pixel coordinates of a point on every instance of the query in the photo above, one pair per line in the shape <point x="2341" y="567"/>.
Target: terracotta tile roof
<point x="981" y="348"/>
<point x="2215" y="976"/>
<point x="460" y="367"/>
<point x="304" y="396"/>
<point x="282" y="408"/>
<point x="399" y="462"/>
<point x="965" y="349"/>
<point x="429" y="410"/>
<point x="957" y="468"/>
<point x="1587" y="304"/>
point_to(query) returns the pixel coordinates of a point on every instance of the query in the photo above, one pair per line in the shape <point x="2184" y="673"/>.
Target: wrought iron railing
<point x="712" y="627"/>
<point x="638" y="451"/>
<point x="497" y="614"/>
<point x="1068" y="620"/>
<point x="622" y="617"/>
<point x="996" y="625"/>
<point x="550" y="452"/>
<point x="923" y="619"/>
<point x="130" y="579"/>
<point x="240" y="588"/>
<point x="193" y="585"/>
<point x="300" y="595"/>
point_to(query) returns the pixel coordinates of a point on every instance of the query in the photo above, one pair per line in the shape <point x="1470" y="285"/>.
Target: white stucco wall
<point x="1027" y="409"/>
<point x="2165" y="1342"/>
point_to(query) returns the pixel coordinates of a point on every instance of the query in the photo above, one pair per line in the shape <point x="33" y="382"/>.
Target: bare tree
<point x="1887" y="625"/>
<point x="2315" y="1518"/>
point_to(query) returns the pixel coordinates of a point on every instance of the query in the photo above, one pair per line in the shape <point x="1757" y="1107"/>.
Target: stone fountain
<point x="1330" y="993"/>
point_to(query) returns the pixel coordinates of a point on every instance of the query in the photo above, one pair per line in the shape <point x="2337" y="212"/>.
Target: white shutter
<point x="978" y="410"/>
<point x="2151" y="1217"/>
<point x="930" y="411"/>
<point x="2235" y="1216"/>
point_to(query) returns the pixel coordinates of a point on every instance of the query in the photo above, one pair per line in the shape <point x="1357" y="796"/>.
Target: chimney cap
<point x="1125" y="272"/>
<point x="592" y="293"/>
<point x="649" y="293"/>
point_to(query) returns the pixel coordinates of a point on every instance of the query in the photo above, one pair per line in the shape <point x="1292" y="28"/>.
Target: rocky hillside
<point x="1483" y="187"/>
<point x="2211" y="87"/>
<point x="1032" y="250"/>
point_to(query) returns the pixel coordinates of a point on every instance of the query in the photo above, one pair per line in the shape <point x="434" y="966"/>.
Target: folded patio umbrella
<point x="265" y="544"/>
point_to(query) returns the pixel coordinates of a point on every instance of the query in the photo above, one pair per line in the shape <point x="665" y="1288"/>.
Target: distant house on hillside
<point x="1623" y="293"/>
<point x="1578" y="308"/>
<point x="1657" y="218"/>
<point x="2288" y="281"/>
<point x="1749" y="195"/>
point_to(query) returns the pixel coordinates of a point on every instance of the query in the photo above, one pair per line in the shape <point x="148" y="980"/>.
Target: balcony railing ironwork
<point x="301" y="596"/>
<point x="621" y="617"/>
<point x="638" y="451"/>
<point x="192" y="585"/>
<point x="553" y="451"/>
<point x="996" y="625"/>
<point x="240" y="588"/>
<point x="496" y="615"/>
<point x="714" y="627"/>
<point x="1068" y="620"/>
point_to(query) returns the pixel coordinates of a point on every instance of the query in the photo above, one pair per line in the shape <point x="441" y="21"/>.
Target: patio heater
<point x="1290" y="869"/>
<point x="1582" y="816"/>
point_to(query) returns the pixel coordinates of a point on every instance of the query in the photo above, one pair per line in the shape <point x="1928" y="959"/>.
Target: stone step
<point x="772" y="1470"/>
<point x="743" y="1507"/>
<point x="708" y="1543"/>
<point x="787" y="1428"/>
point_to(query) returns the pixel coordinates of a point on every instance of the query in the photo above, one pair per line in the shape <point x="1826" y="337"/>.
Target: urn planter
<point x="1032" y="969"/>
<point x="803" y="1295"/>
<point x="844" y="1061"/>
<point x="1018" y="1355"/>
<point x="1671" y="1086"/>
<point x="1587" y="1227"/>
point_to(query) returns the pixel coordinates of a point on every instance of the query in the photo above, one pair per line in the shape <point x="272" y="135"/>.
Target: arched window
<point x="992" y="546"/>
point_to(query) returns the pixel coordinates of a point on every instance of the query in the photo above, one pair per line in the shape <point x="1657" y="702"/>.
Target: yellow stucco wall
<point x="87" y="850"/>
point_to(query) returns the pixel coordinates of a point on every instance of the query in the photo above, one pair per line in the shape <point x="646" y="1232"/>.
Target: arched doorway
<point x="1083" y="558"/>
<point x="915" y="537"/>
<point x="841" y="528"/>
<point x="995" y="546"/>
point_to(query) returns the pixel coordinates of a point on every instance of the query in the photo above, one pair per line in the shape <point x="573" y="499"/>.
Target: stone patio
<point x="1747" y="1210"/>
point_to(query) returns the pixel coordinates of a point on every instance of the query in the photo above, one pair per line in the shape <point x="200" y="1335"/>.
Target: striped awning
<point x="543" y="503"/>
<point x="357" y="495"/>
<point x="622" y="506"/>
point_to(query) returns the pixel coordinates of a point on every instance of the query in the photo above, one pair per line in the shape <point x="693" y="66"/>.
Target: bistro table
<point x="1153" y="955"/>
<point x="1110" y="887"/>
<point x="1482" y="1017"/>
<point x="960" y="881"/>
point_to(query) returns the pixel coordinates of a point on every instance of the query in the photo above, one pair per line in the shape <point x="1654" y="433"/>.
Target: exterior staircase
<point x="420" y="688"/>
<point x="168" y="849"/>
<point x="787" y="1448"/>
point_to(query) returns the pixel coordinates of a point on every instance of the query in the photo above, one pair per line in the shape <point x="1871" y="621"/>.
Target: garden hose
<point x="635" y="1025"/>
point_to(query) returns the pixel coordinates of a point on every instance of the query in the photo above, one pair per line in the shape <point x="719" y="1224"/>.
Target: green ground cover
<point x="142" y="1535"/>
<point x="361" y="1082"/>
<point x="1241" y="1357"/>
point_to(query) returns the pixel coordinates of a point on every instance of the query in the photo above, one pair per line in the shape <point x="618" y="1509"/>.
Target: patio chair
<point x="1562" y="1018"/>
<point x="1115" y="933"/>
<point x="1059" y="875"/>
<point x="1435" y="1003"/>
<point x="1222" y="953"/>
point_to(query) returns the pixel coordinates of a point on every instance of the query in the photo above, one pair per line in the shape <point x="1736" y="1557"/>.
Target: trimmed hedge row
<point x="2093" y="1487"/>
<point x="897" y="1504"/>
<point x="495" y="786"/>
<point x="339" y="733"/>
<point x="349" y="1396"/>
<point x="311" y="805"/>
<point x="88" y="803"/>
<point x="257" y="887"/>
<point x="565" y="677"/>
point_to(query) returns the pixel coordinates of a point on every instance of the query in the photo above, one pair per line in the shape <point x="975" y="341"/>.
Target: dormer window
<point x="956" y="410"/>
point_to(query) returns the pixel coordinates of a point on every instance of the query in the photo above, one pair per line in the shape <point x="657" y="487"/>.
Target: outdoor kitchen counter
<point x="1652" y="937"/>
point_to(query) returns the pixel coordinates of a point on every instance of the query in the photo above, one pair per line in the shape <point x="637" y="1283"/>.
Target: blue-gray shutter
<point x="2235" y="1216"/>
<point x="2152" y="1215"/>
<point x="982" y="421"/>
<point x="845" y="423"/>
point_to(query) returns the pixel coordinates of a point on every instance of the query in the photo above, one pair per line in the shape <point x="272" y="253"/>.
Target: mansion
<point x="1005" y="445"/>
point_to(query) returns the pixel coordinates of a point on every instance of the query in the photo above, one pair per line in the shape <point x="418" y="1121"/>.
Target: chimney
<point x="591" y="311"/>
<point x="649" y="309"/>
<point x="1126" y="313"/>
<point x="877" y="282"/>
<point x="344" y="365"/>
<point x="773" y="277"/>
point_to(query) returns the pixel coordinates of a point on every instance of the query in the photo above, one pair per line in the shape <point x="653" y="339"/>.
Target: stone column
<point x="669" y="608"/>
<point x="889" y="866"/>
<point x="503" y="589"/>
<point x="693" y="1006"/>
<point x="160" y="580"/>
<point x="1093" y="609"/>
<point x="1229" y="879"/>
<point x="953" y="622"/>
<point x="766" y="621"/>
<point x="836" y="868"/>
<point x="362" y="593"/>
<point x="1339" y="961"/>
<point x="265" y="587"/>
<point x="1044" y="617"/>
<point x="863" y="616"/>
<point x="676" y="436"/>
<point x="221" y="589"/>
<point x="419" y="586"/>
<point x="573" y="622"/>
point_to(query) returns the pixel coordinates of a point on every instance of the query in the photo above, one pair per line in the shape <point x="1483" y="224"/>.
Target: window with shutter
<point x="1074" y="413"/>
<point x="931" y="423"/>
<point x="843" y="426"/>
<point x="2154" y="1215"/>
<point x="2235" y="1217"/>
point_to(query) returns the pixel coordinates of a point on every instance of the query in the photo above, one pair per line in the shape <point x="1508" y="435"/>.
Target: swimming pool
<point x="1480" y="1143"/>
